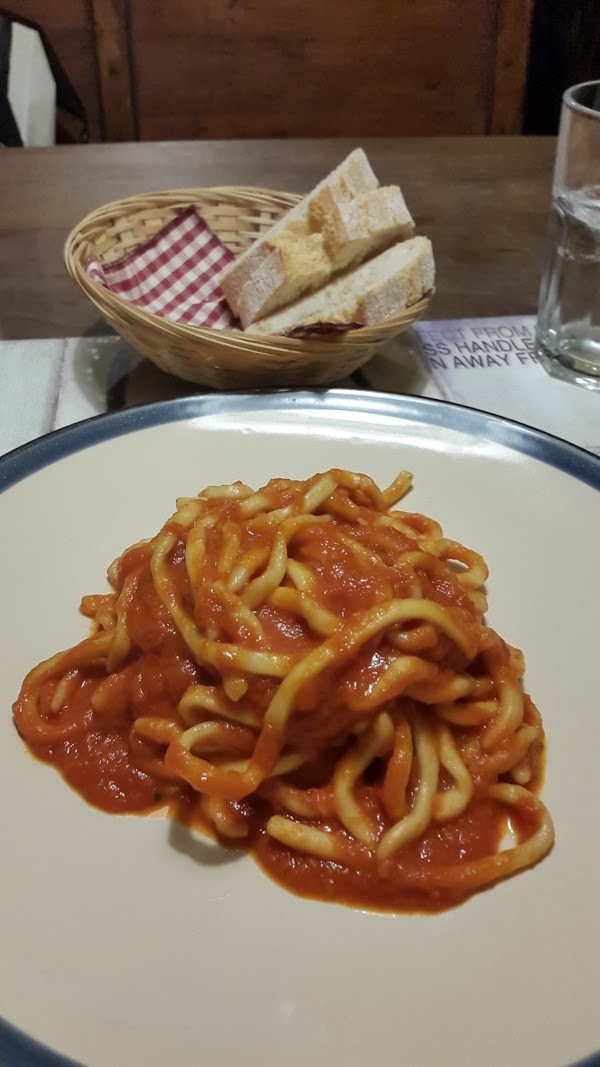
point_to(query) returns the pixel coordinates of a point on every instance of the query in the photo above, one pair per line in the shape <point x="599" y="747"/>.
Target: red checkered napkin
<point x="174" y="274"/>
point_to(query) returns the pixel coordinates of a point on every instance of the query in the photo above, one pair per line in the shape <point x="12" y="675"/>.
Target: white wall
<point x="31" y="88"/>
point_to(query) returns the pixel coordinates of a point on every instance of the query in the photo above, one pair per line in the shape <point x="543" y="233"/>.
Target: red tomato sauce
<point x="98" y="762"/>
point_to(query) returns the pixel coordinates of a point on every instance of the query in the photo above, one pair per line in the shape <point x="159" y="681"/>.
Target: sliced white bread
<point x="368" y="294"/>
<point x="362" y="226"/>
<point x="346" y="218"/>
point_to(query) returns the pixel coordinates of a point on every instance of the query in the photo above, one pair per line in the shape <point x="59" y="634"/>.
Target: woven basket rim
<point x="186" y="193"/>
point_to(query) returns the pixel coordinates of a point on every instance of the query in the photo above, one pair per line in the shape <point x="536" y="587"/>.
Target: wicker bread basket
<point x="222" y="359"/>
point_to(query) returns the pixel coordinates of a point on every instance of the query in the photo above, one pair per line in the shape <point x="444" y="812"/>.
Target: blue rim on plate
<point x="538" y="444"/>
<point x="16" y="1048"/>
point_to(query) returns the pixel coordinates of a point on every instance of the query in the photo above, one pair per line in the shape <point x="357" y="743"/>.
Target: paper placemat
<point x="482" y="363"/>
<point x="488" y="364"/>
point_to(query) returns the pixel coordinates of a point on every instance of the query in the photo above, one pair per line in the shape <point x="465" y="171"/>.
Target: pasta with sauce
<point x="306" y="672"/>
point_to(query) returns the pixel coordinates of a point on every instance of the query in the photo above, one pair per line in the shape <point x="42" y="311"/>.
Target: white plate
<point x="119" y="947"/>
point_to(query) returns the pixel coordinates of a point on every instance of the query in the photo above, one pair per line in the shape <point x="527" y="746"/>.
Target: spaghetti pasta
<point x="306" y="672"/>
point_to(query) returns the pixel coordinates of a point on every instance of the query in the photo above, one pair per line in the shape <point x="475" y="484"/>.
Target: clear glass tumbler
<point x="568" y="324"/>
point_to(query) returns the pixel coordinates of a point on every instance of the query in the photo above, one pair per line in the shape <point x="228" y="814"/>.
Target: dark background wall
<point x="151" y="70"/>
<point x="146" y="69"/>
<point x="564" y="50"/>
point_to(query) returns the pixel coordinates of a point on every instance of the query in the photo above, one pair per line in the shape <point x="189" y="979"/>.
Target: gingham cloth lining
<point x="174" y="274"/>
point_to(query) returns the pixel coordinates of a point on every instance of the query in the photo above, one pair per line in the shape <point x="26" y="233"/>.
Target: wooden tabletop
<point x="482" y="200"/>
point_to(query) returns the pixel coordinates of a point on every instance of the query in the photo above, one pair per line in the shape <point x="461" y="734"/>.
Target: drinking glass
<point x="568" y="324"/>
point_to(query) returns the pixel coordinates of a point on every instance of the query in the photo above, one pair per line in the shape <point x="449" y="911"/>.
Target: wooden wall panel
<point x="224" y="69"/>
<point x="68" y="26"/>
<point x="513" y="32"/>
<point x="295" y="68"/>
<point x="113" y="52"/>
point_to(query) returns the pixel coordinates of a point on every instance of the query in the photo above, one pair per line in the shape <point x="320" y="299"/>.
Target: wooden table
<point x="482" y="200"/>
